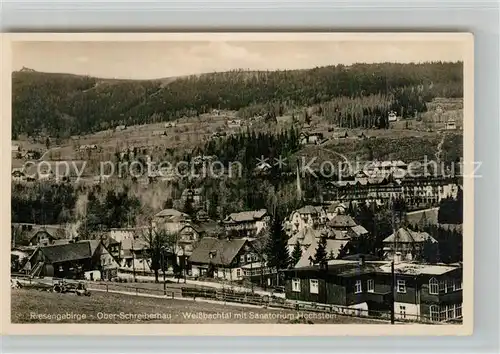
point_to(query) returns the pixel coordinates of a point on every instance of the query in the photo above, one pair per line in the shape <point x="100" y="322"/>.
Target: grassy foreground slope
<point x="26" y="304"/>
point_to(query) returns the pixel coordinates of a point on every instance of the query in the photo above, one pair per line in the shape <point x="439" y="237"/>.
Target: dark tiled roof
<point x="67" y="252"/>
<point x="359" y="230"/>
<point x="343" y="268"/>
<point x="358" y="270"/>
<point x="342" y="221"/>
<point x="223" y="251"/>
<point x="356" y="257"/>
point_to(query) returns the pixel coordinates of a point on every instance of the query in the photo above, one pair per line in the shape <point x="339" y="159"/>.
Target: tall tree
<point x="296" y="254"/>
<point x="188" y="206"/>
<point x="161" y="246"/>
<point x="321" y="255"/>
<point x="430" y="252"/>
<point x="277" y="250"/>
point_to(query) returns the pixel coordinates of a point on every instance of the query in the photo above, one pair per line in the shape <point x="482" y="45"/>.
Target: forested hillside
<point x="359" y="95"/>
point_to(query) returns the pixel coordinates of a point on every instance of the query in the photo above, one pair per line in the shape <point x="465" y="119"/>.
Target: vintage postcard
<point x="289" y="183"/>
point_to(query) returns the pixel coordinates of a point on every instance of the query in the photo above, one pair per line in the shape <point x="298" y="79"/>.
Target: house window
<point x="458" y="310"/>
<point x="242" y="258"/>
<point x="238" y="272"/>
<point x="313" y="286"/>
<point x="296" y="285"/>
<point x="450" y="313"/>
<point x="401" y="286"/>
<point x="442" y="286"/>
<point x="402" y="311"/>
<point x="249" y="258"/>
<point x="450" y="286"/>
<point x="370" y="285"/>
<point x="442" y="316"/>
<point x="433" y="286"/>
<point x="434" y="313"/>
<point x="357" y="287"/>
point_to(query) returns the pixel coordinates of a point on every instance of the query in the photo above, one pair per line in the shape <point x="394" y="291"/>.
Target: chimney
<point x="361" y="260"/>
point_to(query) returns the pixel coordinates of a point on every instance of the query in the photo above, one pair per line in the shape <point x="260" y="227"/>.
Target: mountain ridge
<point x="41" y="100"/>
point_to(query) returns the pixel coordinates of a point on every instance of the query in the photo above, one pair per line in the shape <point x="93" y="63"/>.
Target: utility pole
<point x="163" y="268"/>
<point x="251" y="273"/>
<point x="133" y="257"/>
<point x="185" y="262"/>
<point x="392" y="292"/>
<point x="393" y="259"/>
<point x="247" y="252"/>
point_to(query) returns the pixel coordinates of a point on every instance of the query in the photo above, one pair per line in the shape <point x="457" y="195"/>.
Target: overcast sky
<point x="148" y="60"/>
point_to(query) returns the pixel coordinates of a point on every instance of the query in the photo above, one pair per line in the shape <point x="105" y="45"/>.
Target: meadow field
<point x="34" y="306"/>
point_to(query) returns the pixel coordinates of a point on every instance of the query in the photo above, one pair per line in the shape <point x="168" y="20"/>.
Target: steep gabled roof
<point x="308" y="209"/>
<point x="342" y="221"/>
<point x="406" y="235"/>
<point x="171" y="213"/>
<point x="307" y="236"/>
<point x="134" y="244"/>
<point x="246" y="216"/>
<point x="359" y="230"/>
<point x="223" y="251"/>
<point x="70" y="251"/>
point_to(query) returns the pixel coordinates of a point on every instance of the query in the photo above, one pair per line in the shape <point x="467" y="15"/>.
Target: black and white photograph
<point x="242" y="179"/>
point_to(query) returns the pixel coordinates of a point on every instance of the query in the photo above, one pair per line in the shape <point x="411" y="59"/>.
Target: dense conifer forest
<point x="360" y="95"/>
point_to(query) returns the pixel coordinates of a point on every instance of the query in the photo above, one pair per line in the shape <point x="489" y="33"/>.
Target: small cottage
<point x="221" y="258"/>
<point x="72" y="260"/>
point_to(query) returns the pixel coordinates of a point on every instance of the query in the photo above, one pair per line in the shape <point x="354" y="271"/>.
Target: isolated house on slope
<point x="451" y="125"/>
<point x="37" y="235"/>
